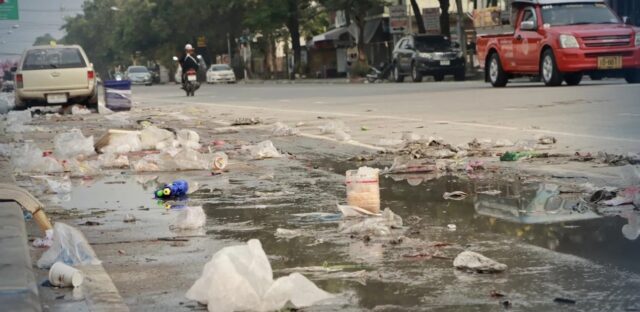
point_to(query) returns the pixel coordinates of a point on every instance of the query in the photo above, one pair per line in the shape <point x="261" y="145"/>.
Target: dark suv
<point x="419" y="55"/>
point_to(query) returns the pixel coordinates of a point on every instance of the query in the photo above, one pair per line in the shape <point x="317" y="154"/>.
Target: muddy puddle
<point x="553" y="245"/>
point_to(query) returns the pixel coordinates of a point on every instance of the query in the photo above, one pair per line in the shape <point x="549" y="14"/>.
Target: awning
<point x="337" y="34"/>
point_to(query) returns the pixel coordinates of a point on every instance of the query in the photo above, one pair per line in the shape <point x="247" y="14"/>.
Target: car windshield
<point x="432" y="43"/>
<point x="220" y="67"/>
<point x="138" y="69"/>
<point x="49" y="58"/>
<point x="578" y="14"/>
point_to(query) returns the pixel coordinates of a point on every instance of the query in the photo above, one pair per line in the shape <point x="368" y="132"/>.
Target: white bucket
<point x="62" y="275"/>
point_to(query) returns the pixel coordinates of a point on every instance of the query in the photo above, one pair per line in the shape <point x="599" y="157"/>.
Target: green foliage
<point x="44" y="40"/>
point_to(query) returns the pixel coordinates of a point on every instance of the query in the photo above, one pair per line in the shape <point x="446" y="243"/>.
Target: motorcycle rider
<point x="188" y="62"/>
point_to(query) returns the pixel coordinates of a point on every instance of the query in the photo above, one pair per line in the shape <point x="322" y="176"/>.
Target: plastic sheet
<point x="189" y="218"/>
<point x="69" y="246"/>
<point x="153" y="137"/>
<point x="29" y="158"/>
<point x="240" y="278"/>
<point x="189" y="139"/>
<point x="72" y="144"/>
<point x="263" y="150"/>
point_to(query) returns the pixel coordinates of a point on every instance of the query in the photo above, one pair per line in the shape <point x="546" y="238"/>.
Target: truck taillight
<point x="19" y="81"/>
<point x="90" y="74"/>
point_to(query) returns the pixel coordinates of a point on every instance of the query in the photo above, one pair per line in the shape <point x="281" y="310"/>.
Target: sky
<point x="37" y="17"/>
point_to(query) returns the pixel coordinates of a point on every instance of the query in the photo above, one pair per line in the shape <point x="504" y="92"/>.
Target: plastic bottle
<point x="177" y="188"/>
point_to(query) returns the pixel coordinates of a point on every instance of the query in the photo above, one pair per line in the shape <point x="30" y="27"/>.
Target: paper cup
<point x="62" y="275"/>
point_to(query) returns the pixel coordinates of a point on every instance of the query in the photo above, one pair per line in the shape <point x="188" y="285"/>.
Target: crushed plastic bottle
<point x="176" y="189"/>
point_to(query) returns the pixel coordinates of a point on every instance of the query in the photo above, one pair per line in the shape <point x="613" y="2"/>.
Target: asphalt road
<point x="594" y="116"/>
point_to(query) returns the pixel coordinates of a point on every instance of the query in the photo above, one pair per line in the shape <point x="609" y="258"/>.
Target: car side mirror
<point x="175" y="58"/>
<point x="14" y="69"/>
<point x="528" y="25"/>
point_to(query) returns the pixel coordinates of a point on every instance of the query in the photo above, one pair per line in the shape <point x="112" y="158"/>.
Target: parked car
<point x="420" y="55"/>
<point x="561" y="40"/>
<point x="218" y="73"/>
<point x="139" y="75"/>
<point x="56" y="75"/>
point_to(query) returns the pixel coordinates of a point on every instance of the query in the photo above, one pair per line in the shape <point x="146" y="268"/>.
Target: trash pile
<point x="240" y="278"/>
<point x="338" y="129"/>
<point x="7" y="101"/>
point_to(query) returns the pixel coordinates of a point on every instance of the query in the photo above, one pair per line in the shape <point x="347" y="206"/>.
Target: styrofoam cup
<point x="62" y="275"/>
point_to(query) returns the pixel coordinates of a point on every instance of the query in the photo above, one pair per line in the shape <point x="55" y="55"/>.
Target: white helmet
<point x="188" y="47"/>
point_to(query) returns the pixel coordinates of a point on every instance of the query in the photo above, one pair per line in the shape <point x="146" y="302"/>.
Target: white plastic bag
<point x="69" y="246"/>
<point x="263" y="150"/>
<point x="151" y="136"/>
<point x="333" y="126"/>
<point x="189" y="218"/>
<point x="240" y="278"/>
<point x="6" y="102"/>
<point x="81" y="168"/>
<point x="73" y="143"/>
<point x="189" y="139"/>
<point x="113" y="161"/>
<point x="375" y="226"/>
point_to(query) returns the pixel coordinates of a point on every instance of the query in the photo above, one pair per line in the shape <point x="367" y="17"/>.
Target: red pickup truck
<point x="561" y="40"/>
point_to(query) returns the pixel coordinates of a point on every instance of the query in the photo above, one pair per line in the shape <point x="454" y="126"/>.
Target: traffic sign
<point x="9" y="10"/>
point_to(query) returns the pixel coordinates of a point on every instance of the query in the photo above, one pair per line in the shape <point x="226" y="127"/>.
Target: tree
<point x="44" y="40"/>
<point x="444" y="18"/>
<point x="418" y="15"/>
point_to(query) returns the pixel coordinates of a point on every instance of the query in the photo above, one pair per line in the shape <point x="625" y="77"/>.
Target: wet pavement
<point x="586" y="257"/>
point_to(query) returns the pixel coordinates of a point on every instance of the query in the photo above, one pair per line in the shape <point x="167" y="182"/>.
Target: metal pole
<point x="462" y="35"/>
<point x="229" y="47"/>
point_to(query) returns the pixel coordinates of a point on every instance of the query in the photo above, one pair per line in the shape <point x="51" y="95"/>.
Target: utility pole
<point x="229" y="47"/>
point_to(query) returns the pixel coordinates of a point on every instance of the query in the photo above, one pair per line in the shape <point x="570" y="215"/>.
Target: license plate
<point x="58" y="98"/>
<point x="609" y="62"/>
<point x="191" y="78"/>
<point x="445" y="63"/>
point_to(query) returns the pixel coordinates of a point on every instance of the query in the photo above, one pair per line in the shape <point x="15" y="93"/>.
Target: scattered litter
<point x="363" y="189"/>
<point x="474" y="165"/>
<point x="46" y="241"/>
<point x="564" y="300"/>
<point x="119" y="141"/>
<point x="280" y="129"/>
<point x="90" y="223"/>
<point x="619" y="160"/>
<point x="342" y="136"/>
<point x="111" y="160"/>
<point x="286" y="233"/>
<point x="153" y="137"/>
<point x="189" y="139"/>
<point x="389" y="142"/>
<point x="514" y="156"/>
<point x="354" y="211"/>
<point x="129" y="218"/>
<point x="490" y="192"/>
<point x="62" y="275"/>
<point x="375" y="226"/>
<point x="334" y="126"/>
<point x="546" y="140"/>
<point x="475" y="262"/>
<point x="246" y="121"/>
<point x="430" y="148"/>
<point x="457" y="195"/>
<point x="452" y="227"/>
<point x="240" y="278"/>
<point x="626" y="196"/>
<point x="263" y="150"/>
<point x="29" y="158"/>
<point x="69" y="246"/>
<point x="410" y="136"/>
<point x="79" y="110"/>
<point x="72" y="144"/>
<point x="503" y="143"/>
<point x="176" y="189"/>
<point x="406" y="164"/>
<point x="190" y="218"/>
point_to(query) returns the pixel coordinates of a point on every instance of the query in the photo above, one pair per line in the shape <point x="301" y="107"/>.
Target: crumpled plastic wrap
<point x="153" y="137"/>
<point x="189" y="218"/>
<point x="264" y="149"/>
<point x="29" y="159"/>
<point x="239" y="278"/>
<point x="69" y="246"/>
<point x="72" y="144"/>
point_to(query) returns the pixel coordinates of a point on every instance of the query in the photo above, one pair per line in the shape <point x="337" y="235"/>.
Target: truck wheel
<point x="20" y="105"/>
<point x="416" y="75"/>
<point x="573" y="79"/>
<point x="459" y="75"/>
<point x="633" y="76"/>
<point x="397" y="77"/>
<point x="438" y="77"/>
<point x="550" y="73"/>
<point x="497" y="76"/>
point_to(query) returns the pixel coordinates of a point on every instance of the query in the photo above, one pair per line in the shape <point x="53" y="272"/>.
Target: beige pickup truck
<point x="55" y="75"/>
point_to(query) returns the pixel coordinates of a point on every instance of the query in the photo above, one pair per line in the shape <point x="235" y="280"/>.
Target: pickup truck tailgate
<point x="55" y="79"/>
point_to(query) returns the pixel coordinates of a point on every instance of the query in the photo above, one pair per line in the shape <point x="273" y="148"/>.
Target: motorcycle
<point x="379" y="74"/>
<point x="190" y="84"/>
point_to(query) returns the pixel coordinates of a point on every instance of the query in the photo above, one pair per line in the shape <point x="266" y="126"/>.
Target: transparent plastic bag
<point x="280" y="129"/>
<point x="189" y="139"/>
<point x="189" y="218"/>
<point x="152" y="136"/>
<point x="373" y="225"/>
<point x="29" y="158"/>
<point x="240" y="278"/>
<point x="123" y="143"/>
<point x="113" y="161"/>
<point x="69" y="246"/>
<point x="72" y="144"/>
<point x="263" y="150"/>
